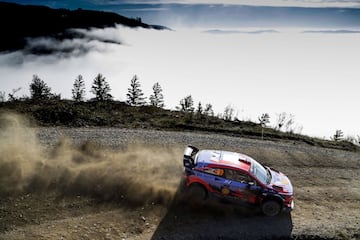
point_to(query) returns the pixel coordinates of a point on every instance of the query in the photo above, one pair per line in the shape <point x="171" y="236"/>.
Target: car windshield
<point x="261" y="173"/>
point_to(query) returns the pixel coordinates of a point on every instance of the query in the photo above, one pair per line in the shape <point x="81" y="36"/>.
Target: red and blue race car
<point x="238" y="178"/>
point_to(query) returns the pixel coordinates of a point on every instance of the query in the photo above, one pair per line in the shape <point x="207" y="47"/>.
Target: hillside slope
<point x="18" y="22"/>
<point x="111" y="183"/>
<point x="67" y="113"/>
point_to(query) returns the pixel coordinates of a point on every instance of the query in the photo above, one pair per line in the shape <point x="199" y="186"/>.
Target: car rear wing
<point x="189" y="156"/>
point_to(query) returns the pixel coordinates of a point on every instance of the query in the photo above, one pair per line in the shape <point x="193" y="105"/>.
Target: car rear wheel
<point x="197" y="193"/>
<point x="271" y="208"/>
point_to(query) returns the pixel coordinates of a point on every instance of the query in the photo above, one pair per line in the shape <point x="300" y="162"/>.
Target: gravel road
<point x="326" y="183"/>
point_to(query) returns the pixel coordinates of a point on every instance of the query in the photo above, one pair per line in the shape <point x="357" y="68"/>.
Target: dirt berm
<point x="111" y="183"/>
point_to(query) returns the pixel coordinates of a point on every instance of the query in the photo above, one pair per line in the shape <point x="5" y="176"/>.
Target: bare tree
<point x="280" y="121"/>
<point x="338" y="135"/>
<point x="285" y="121"/>
<point x="186" y="104"/>
<point x="353" y="139"/>
<point x="12" y="96"/>
<point x="135" y="94"/>
<point x="2" y="96"/>
<point x="78" y="91"/>
<point x="264" y="119"/>
<point x="39" y="89"/>
<point x="101" y="89"/>
<point x="208" y="111"/>
<point x="289" y="123"/>
<point x="157" y="98"/>
<point x="228" y="113"/>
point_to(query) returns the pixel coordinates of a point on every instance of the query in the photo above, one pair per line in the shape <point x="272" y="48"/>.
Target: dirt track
<point x="326" y="183"/>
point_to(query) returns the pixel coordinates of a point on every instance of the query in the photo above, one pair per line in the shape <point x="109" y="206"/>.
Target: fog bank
<point x="310" y="75"/>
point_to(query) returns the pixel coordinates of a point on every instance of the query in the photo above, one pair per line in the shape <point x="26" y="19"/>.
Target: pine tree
<point x="199" y="109"/>
<point x="186" y="104"/>
<point x="101" y="89"/>
<point x="39" y="89"/>
<point x="78" y="92"/>
<point x="135" y="94"/>
<point x="157" y="99"/>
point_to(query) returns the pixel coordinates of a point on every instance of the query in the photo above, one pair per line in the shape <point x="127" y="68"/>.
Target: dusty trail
<point x="107" y="183"/>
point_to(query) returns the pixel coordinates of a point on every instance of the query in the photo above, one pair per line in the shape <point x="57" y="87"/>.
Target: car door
<point x="215" y="177"/>
<point x="242" y="186"/>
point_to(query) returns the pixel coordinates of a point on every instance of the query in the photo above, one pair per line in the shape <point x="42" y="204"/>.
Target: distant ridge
<point x="339" y="31"/>
<point x="18" y="22"/>
<point x="218" y="31"/>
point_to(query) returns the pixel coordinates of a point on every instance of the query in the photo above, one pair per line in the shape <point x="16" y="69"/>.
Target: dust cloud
<point x="138" y="174"/>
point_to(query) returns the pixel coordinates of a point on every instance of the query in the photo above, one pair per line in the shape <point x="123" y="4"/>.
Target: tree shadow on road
<point x="214" y="220"/>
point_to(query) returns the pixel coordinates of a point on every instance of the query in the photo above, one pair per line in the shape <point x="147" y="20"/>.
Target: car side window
<point x="237" y="176"/>
<point x="215" y="171"/>
<point x="242" y="177"/>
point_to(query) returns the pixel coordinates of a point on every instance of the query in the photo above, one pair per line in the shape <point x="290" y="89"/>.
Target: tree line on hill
<point x="100" y="88"/>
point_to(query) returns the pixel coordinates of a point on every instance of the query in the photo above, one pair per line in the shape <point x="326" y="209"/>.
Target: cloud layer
<point x="275" y="71"/>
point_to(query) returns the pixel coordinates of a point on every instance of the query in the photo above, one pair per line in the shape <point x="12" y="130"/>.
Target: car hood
<point x="280" y="182"/>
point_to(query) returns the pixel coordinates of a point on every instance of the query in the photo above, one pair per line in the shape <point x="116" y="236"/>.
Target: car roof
<point x="224" y="158"/>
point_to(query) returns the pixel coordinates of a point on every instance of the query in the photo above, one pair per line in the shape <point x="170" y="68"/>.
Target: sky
<point x="230" y="13"/>
<point x="307" y="70"/>
<point x="277" y="3"/>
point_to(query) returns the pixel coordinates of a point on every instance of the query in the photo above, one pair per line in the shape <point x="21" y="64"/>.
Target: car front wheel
<point x="271" y="208"/>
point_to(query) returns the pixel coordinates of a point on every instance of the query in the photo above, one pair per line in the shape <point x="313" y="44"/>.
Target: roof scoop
<point x="243" y="160"/>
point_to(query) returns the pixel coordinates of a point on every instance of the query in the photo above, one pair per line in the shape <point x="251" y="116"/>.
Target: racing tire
<point x="271" y="208"/>
<point x="197" y="193"/>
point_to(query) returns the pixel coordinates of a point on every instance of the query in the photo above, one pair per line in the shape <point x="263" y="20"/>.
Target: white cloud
<point x="313" y="76"/>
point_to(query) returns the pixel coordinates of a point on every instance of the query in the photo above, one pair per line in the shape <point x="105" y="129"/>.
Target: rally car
<point x="237" y="178"/>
